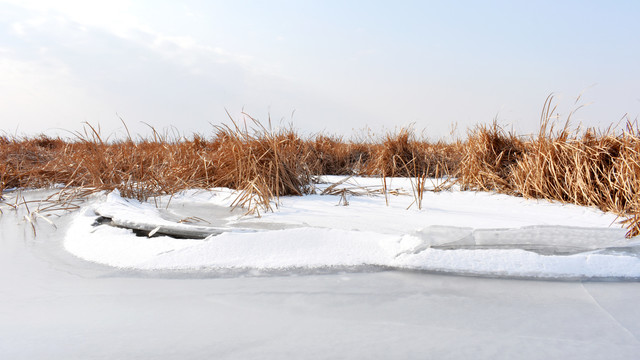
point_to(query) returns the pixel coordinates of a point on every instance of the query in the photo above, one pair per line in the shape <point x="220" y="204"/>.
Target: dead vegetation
<point x="600" y="169"/>
<point x="589" y="168"/>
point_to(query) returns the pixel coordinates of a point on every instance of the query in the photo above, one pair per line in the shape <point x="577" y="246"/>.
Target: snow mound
<point x="536" y="250"/>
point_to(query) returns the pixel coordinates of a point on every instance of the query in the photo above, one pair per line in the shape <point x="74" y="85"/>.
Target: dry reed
<point x="584" y="168"/>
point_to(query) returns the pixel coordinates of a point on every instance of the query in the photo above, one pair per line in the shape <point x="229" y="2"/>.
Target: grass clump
<point x="264" y="164"/>
<point x="490" y="154"/>
<point x="584" y="168"/>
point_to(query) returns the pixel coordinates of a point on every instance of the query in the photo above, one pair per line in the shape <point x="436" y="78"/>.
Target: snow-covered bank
<point x="458" y="232"/>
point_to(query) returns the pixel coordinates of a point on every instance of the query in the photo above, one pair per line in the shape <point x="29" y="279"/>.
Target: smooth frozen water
<point x="56" y="306"/>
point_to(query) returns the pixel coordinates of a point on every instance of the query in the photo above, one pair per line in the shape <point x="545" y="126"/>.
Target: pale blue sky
<point x="340" y="65"/>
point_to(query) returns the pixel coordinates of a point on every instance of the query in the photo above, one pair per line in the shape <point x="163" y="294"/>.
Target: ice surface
<point x="54" y="305"/>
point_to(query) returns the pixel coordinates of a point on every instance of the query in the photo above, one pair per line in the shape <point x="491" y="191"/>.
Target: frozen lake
<point x="79" y="311"/>
<point x="54" y="305"/>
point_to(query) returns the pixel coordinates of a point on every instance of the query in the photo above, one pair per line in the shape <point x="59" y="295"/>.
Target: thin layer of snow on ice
<point x="454" y="231"/>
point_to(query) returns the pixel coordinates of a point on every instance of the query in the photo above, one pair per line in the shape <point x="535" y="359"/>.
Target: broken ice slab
<point x="541" y="239"/>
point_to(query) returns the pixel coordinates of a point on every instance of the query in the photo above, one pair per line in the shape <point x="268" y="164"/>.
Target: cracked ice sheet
<point x="369" y="233"/>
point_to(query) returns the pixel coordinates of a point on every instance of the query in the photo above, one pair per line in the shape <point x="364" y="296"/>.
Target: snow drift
<point x="457" y="232"/>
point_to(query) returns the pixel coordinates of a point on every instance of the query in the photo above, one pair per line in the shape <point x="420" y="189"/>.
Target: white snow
<point x="455" y="231"/>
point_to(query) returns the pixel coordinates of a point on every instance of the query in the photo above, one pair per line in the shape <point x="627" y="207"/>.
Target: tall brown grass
<point x="591" y="168"/>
